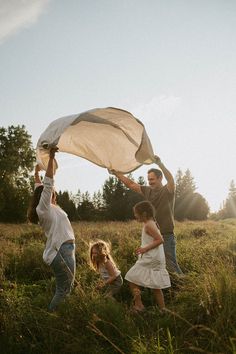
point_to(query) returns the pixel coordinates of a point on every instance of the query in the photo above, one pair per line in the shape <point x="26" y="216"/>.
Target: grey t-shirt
<point x="163" y="202"/>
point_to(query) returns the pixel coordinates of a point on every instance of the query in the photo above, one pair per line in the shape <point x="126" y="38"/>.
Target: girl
<point x="102" y="262"/>
<point x="150" y="269"/>
<point x="59" y="252"/>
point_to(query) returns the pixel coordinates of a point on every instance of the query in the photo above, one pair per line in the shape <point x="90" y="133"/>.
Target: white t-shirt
<point x="104" y="272"/>
<point x="54" y="221"/>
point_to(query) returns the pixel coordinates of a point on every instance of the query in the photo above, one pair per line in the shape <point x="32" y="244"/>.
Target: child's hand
<point x="140" y="250"/>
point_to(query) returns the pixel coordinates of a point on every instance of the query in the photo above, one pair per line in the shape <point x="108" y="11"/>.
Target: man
<point x="162" y="198"/>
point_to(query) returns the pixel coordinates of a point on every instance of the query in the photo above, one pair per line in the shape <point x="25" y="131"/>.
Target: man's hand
<point x="112" y="172"/>
<point x="157" y="159"/>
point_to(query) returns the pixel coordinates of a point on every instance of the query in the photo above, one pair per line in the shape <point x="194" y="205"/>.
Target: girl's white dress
<point x="150" y="269"/>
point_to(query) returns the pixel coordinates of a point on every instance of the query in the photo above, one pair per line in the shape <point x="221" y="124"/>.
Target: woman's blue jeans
<point x="170" y="254"/>
<point x="63" y="267"/>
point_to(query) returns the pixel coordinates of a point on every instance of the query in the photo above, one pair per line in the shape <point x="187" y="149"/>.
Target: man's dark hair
<point x="157" y="172"/>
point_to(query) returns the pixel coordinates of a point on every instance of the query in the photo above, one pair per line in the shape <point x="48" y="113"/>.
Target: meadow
<point x="201" y="306"/>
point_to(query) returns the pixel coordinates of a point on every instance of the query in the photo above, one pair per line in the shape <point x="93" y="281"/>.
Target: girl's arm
<point x="152" y="230"/>
<point x="111" y="271"/>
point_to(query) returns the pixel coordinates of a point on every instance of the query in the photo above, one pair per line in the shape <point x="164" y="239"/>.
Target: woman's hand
<point x="52" y="152"/>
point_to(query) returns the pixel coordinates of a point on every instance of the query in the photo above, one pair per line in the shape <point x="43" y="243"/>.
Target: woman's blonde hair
<point x="104" y="253"/>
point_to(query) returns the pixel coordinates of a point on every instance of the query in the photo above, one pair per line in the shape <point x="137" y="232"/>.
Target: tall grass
<point x="201" y="313"/>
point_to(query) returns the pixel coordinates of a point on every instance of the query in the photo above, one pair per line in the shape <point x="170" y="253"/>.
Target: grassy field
<point x="201" y="313"/>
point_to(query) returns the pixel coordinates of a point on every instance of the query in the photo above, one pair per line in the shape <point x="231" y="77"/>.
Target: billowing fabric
<point x="109" y="137"/>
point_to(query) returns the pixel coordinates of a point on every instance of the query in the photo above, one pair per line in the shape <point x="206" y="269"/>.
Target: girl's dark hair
<point x="145" y="207"/>
<point x="31" y="213"/>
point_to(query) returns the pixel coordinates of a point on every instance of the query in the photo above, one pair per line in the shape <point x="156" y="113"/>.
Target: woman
<point x="59" y="252"/>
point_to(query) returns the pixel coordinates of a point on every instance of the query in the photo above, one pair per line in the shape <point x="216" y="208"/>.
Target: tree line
<point x="113" y="202"/>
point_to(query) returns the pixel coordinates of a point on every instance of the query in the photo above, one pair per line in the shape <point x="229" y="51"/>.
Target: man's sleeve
<point x="171" y="195"/>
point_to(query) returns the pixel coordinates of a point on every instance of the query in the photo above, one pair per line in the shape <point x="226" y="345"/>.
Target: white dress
<point x="150" y="269"/>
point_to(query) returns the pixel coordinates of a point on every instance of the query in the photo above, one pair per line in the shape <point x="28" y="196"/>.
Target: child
<point x="102" y="262"/>
<point x="150" y="269"/>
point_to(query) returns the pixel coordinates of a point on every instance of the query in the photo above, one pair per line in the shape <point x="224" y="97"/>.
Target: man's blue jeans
<point x="63" y="267"/>
<point x="170" y="253"/>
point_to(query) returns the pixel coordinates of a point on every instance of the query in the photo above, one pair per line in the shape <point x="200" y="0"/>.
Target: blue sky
<point x="171" y="63"/>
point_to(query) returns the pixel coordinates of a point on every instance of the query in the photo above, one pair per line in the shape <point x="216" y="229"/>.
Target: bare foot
<point x="138" y="309"/>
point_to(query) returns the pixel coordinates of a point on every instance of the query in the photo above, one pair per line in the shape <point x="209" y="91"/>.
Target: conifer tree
<point x="230" y="204"/>
<point x="189" y="204"/>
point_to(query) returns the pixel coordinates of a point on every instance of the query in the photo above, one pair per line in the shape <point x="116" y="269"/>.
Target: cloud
<point x="18" y="14"/>
<point x="161" y="107"/>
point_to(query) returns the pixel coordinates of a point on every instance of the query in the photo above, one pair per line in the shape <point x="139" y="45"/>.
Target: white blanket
<point x="109" y="137"/>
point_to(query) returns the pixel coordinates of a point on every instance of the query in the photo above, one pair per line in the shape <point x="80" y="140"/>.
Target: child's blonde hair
<point x="104" y="253"/>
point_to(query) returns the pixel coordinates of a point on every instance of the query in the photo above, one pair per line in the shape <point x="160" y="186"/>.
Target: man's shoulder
<point x="166" y="189"/>
<point x="144" y="187"/>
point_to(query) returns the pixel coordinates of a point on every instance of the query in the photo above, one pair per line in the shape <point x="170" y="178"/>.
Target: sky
<point x="171" y="63"/>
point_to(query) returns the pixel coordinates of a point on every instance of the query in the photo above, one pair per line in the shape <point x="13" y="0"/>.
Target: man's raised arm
<point x="127" y="181"/>
<point x="167" y="174"/>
